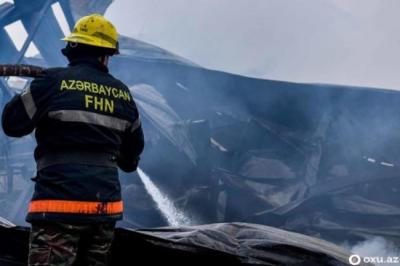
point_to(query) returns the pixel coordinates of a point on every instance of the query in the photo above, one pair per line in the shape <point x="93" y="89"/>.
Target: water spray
<point x="174" y="216"/>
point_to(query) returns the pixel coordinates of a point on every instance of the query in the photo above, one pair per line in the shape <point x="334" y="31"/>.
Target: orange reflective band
<point x="68" y="206"/>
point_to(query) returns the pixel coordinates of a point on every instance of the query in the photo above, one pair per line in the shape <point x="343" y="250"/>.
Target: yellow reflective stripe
<point x="90" y="118"/>
<point x="29" y="103"/>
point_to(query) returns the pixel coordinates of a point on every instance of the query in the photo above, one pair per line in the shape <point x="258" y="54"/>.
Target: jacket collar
<point x="91" y="61"/>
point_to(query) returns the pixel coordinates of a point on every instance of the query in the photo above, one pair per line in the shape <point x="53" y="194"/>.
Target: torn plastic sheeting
<point x="358" y="204"/>
<point x="143" y="51"/>
<point x="265" y="198"/>
<point x="218" y="145"/>
<point x="6" y="223"/>
<point x="332" y="187"/>
<point x="223" y="244"/>
<point x="156" y="109"/>
<point x="337" y="227"/>
<point x="263" y="167"/>
<point x="254" y="244"/>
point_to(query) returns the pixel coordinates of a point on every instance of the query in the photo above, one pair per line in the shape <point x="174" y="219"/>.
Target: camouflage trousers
<point x="62" y="244"/>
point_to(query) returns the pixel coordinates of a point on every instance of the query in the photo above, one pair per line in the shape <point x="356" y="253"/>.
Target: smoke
<point x="376" y="247"/>
<point x="336" y="41"/>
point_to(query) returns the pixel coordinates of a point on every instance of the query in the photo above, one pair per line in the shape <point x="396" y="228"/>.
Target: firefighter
<point x="86" y="126"/>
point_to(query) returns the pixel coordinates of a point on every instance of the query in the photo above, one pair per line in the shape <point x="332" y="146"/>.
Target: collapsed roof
<point x="223" y="244"/>
<point x="322" y="160"/>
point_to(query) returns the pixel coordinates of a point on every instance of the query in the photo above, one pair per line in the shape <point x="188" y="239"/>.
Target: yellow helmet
<point x="94" y="30"/>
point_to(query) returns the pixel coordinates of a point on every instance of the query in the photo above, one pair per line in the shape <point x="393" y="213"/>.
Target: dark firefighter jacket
<point x="86" y="124"/>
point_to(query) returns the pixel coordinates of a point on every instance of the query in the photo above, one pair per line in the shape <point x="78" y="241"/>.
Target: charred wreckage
<point x="242" y="159"/>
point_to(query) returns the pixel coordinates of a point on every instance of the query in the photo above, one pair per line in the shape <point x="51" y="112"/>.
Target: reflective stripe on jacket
<point x="84" y="110"/>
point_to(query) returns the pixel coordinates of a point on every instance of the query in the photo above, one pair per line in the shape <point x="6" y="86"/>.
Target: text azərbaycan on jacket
<point x="87" y="124"/>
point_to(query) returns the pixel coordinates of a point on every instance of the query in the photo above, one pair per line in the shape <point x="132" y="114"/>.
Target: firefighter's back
<point x="87" y="125"/>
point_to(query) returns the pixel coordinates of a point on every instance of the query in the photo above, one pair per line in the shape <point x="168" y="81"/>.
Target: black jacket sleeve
<point x="15" y="120"/>
<point x="131" y="148"/>
<point x="22" y="113"/>
<point x="132" y="142"/>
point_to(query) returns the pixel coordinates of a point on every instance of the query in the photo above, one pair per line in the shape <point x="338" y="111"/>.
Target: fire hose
<point x="20" y="70"/>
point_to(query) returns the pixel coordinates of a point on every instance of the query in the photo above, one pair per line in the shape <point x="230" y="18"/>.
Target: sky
<point x="354" y="42"/>
<point x="351" y="42"/>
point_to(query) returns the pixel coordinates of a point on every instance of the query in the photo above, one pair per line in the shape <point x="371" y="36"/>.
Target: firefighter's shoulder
<point x="46" y="81"/>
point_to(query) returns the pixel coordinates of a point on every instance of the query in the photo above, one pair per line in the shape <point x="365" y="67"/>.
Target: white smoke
<point x="377" y="247"/>
<point x="328" y="41"/>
